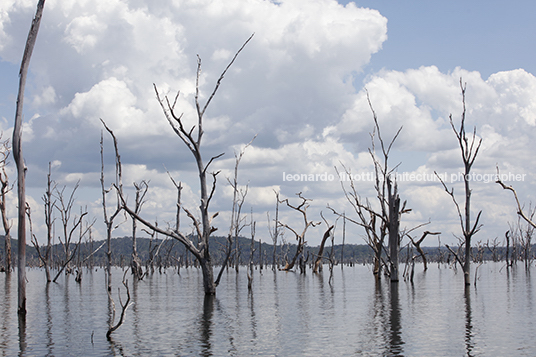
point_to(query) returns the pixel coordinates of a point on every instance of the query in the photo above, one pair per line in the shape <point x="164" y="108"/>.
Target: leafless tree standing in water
<point x="192" y="138"/>
<point x="469" y="147"/>
<point x="19" y="159"/>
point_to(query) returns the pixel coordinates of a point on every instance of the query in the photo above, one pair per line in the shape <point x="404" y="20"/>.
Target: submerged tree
<point x="192" y="138"/>
<point x="139" y="200"/>
<point x="110" y="216"/>
<point x="469" y="147"/>
<point x="19" y="159"/>
<point x="300" y="235"/>
<point x="383" y="219"/>
<point x="274" y="233"/>
<point x="5" y="187"/>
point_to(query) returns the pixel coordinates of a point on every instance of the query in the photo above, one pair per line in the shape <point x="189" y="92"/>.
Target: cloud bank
<point x="293" y="86"/>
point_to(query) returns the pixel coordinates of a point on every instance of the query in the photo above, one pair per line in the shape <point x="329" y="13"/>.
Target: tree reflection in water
<point x="469" y="343"/>
<point x="205" y="326"/>
<point x="396" y="343"/>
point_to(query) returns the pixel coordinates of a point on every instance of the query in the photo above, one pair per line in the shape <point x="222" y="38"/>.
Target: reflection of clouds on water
<point x="286" y="313"/>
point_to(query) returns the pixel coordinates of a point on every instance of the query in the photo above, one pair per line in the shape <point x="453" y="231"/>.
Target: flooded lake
<point x="286" y="314"/>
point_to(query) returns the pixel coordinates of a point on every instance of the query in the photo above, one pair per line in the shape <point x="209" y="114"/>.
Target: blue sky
<point x="484" y="36"/>
<point x="299" y="85"/>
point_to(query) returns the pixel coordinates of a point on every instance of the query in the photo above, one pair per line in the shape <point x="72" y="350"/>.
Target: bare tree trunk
<point x="109" y="219"/>
<point x="19" y="159"/>
<point x="343" y="238"/>
<point x="394" y="221"/>
<point x="275" y="233"/>
<point x="469" y="150"/>
<point x="318" y="260"/>
<point x="251" y="253"/>
<point x="4" y="189"/>
<point x="417" y="245"/>
<point x="49" y="221"/>
<point x="507" y="256"/>
<point x="135" y="264"/>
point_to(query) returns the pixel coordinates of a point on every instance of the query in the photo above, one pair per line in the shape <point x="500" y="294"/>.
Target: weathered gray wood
<point x="19" y="159"/>
<point x="394" y="222"/>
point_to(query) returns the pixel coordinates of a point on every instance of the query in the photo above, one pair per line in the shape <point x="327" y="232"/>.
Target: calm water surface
<point x="287" y="314"/>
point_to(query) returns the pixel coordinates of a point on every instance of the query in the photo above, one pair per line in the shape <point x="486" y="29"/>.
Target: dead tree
<point x="69" y="226"/>
<point x="19" y="159"/>
<point x="135" y="263"/>
<point x="522" y="237"/>
<point x="49" y="204"/>
<point x="251" y="254"/>
<point x="300" y="236"/>
<point x="507" y="254"/>
<point x="274" y="234"/>
<point x="417" y="245"/>
<point x="493" y="249"/>
<point x="343" y="239"/>
<point x="178" y="186"/>
<point x="527" y="217"/>
<point x="318" y="261"/>
<point x="5" y="188"/>
<point x="377" y="221"/>
<point x="124" y="307"/>
<point x="239" y="197"/>
<point x="393" y="200"/>
<point x="469" y="147"/>
<point x="192" y="138"/>
<point x="110" y="217"/>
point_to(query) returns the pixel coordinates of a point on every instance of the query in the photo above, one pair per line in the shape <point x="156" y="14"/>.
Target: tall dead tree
<point x="192" y="138"/>
<point x="49" y="203"/>
<point x="5" y="187"/>
<point x="300" y="236"/>
<point x="19" y="159"/>
<point x="237" y="220"/>
<point x="381" y="220"/>
<point x="109" y="217"/>
<point x="469" y="147"/>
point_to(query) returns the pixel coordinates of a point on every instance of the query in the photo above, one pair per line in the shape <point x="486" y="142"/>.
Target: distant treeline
<point x="171" y="253"/>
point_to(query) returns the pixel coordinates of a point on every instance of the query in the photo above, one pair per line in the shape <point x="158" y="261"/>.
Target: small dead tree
<point x="135" y="263"/>
<point x="492" y="247"/>
<point x="124" y="307"/>
<point x="317" y="265"/>
<point x="251" y="254"/>
<point x="417" y="245"/>
<point x="5" y="188"/>
<point x="274" y="234"/>
<point x="469" y="147"/>
<point x="507" y="254"/>
<point x="520" y="210"/>
<point x="69" y="226"/>
<point x="300" y="236"/>
<point x="49" y="204"/>
<point x="192" y="138"/>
